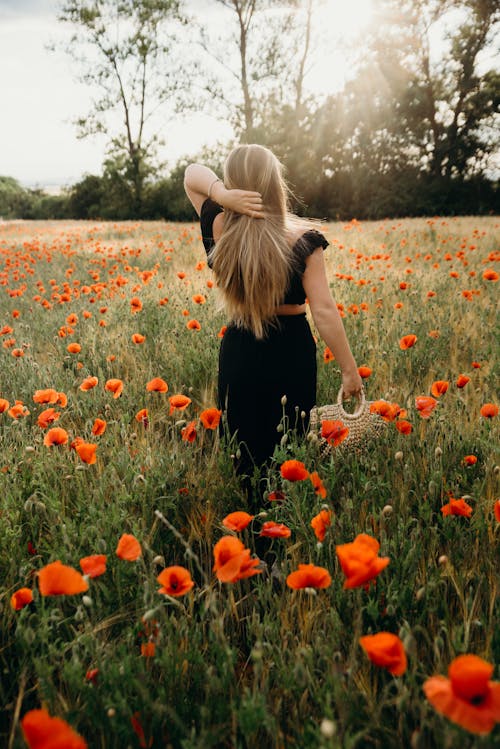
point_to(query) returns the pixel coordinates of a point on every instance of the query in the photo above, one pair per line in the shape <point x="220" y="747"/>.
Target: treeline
<point x="414" y="131"/>
<point x="405" y="194"/>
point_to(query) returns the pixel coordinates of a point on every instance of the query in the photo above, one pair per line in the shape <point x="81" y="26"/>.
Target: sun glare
<point x="339" y="22"/>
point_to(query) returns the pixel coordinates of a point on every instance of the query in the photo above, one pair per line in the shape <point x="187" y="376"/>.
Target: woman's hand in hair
<point x="239" y="201"/>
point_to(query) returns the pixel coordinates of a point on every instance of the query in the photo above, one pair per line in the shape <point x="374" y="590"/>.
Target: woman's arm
<point x="200" y="182"/>
<point x="328" y="321"/>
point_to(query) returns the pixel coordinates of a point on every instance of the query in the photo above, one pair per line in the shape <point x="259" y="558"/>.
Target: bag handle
<point x="359" y="410"/>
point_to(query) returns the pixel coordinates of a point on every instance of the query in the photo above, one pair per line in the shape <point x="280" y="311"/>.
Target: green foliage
<point x="252" y="663"/>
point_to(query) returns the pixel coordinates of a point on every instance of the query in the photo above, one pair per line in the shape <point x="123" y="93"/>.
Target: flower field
<point x="134" y="609"/>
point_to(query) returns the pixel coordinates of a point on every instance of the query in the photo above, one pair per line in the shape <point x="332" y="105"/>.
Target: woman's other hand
<point x="240" y="201"/>
<point x="352" y="384"/>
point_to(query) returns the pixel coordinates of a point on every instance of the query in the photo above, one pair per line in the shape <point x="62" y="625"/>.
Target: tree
<point x="260" y="61"/>
<point x="127" y="53"/>
<point x="438" y="108"/>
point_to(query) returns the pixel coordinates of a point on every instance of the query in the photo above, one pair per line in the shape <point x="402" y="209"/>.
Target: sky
<point x="41" y="95"/>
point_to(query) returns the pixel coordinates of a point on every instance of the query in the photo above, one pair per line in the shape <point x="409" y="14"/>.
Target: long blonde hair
<point x="253" y="260"/>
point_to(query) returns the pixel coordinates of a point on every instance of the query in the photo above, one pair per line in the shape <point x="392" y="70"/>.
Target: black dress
<point x="255" y="374"/>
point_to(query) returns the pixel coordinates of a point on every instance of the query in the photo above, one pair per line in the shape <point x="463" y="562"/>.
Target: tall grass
<point x="252" y="663"/>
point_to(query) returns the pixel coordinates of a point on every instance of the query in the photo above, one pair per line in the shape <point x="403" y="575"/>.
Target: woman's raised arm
<point x="201" y="183"/>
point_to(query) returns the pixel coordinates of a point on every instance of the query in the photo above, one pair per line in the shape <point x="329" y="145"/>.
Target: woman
<point x="266" y="262"/>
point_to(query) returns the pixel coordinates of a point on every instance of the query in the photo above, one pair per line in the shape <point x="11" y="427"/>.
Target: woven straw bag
<point x="363" y="426"/>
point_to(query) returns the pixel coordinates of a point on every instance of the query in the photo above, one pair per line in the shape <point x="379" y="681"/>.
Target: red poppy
<point x="128" y="548"/>
<point x="99" y="427"/>
<point x="489" y="410"/>
<point x="41" y="731"/>
<point x="467" y="697"/>
<point x="157" y="385"/>
<point x="360" y="561"/>
<point x="319" y="487"/>
<point x="87" y="452"/>
<point x="188" y="434"/>
<point x="138" y="338"/>
<point x="385" y="650"/>
<point x="490" y="275"/>
<point x="178" y="403"/>
<point x="388" y="411"/>
<point x="21" y="598"/>
<point x="364" y="372"/>
<point x="175" y="581"/>
<point x="74" y="348"/>
<point x="4" y="404"/>
<point x="320" y="523"/>
<point x="496" y="510"/>
<point x="334" y="432"/>
<point x="276" y="496"/>
<point x="89" y="383"/>
<point x="462" y="381"/>
<point x="94" y="565"/>
<point x="404" y="427"/>
<point x="407" y="341"/>
<point x="193" y="325"/>
<point x="476" y="365"/>
<point x="327" y="355"/>
<point x="294" y="470"/>
<point x="142" y="415"/>
<point x="55" y="436"/>
<point x="46" y="396"/>
<point x="457" y="507"/>
<point x="470" y="460"/>
<point x="222" y="331"/>
<point x="425" y="405"/>
<point x="309" y="576"/>
<point x="237" y="521"/>
<point x="210" y="418"/>
<point x="199" y="299"/>
<point x="233" y="561"/>
<point x="114" y="386"/>
<point x="439" y="387"/>
<point x="148" y="649"/>
<point x="135" y="304"/>
<point x="47" y="417"/>
<point x="57" y="579"/>
<point x="270" y="529"/>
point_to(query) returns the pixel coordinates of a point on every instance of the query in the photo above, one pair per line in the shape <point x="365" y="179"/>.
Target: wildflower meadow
<point x="135" y="610"/>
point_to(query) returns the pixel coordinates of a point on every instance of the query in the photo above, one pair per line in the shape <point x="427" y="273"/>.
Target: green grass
<point x="250" y="664"/>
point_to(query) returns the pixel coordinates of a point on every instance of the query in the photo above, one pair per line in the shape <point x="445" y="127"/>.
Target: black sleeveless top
<point x="304" y="247"/>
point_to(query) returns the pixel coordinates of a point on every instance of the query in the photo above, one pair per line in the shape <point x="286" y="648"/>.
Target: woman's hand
<point x="352" y="384"/>
<point x="240" y="201"/>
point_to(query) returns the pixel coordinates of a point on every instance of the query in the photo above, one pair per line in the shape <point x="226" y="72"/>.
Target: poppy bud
<point x="328" y="728"/>
<point x="387" y="511"/>
<point x="398" y="455"/>
<point x="87" y="601"/>
<point x="438" y="452"/>
<point x="284" y="400"/>
<point x="420" y="593"/>
<point x="443" y="559"/>
<point x="279" y="428"/>
<point x="238" y="454"/>
<point x="303" y="414"/>
<point x="111" y="712"/>
<point x="159" y="560"/>
<point x="29" y="449"/>
<point x="284" y="440"/>
<point x="496" y="470"/>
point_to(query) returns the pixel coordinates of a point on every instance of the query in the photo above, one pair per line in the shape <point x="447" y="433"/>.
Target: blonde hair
<point x="253" y="260"/>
